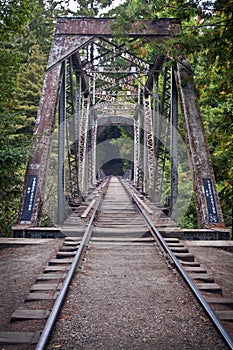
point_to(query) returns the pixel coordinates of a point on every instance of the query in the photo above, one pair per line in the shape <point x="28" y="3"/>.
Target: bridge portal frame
<point x="71" y="36"/>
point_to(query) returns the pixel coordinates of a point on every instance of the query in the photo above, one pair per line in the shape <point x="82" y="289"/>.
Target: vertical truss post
<point x="162" y="133"/>
<point x="83" y="175"/>
<point x="148" y="146"/>
<point x="174" y="149"/>
<point x="89" y="164"/>
<point x="91" y="135"/>
<point x="207" y="201"/>
<point x="69" y="122"/>
<point x="137" y="137"/>
<point x="32" y="197"/>
<point x="155" y="104"/>
<point x="144" y="162"/>
<point x="156" y="128"/>
<point x="61" y="146"/>
<point x="77" y="130"/>
<point x="71" y="131"/>
<point x="76" y="117"/>
<point x="138" y="179"/>
<point x="93" y="149"/>
<point x="79" y="109"/>
<point x="69" y="113"/>
<point x="135" y="153"/>
<point x="140" y="147"/>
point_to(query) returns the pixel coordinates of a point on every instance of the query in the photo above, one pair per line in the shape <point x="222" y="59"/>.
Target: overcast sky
<point x="73" y="5"/>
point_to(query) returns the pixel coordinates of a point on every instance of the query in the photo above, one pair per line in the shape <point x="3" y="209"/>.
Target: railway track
<point x="117" y="220"/>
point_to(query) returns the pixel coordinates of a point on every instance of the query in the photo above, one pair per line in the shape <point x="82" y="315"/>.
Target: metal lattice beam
<point x="83" y="147"/>
<point x="71" y="131"/>
<point x="162" y="132"/>
<point x="149" y="146"/>
<point x="138" y="180"/>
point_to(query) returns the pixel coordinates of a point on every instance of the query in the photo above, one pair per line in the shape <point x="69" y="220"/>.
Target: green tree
<point x="44" y="20"/>
<point x="29" y="86"/>
<point x="14" y="16"/>
<point x="26" y="30"/>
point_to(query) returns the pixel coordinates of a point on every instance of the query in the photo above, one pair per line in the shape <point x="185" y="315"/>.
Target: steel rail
<point x="158" y="237"/>
<point x="76" y="261"/>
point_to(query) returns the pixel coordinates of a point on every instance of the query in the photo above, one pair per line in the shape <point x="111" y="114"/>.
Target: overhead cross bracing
<point x="93" y="80"/>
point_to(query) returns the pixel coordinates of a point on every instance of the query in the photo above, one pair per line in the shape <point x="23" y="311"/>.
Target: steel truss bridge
<point x="95" y="79"/>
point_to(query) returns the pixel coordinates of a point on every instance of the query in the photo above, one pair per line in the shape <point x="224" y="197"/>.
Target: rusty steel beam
<point x="32" y="197"/>
<point x="160" y="28"/>
<point x="149" y="162"/>
<point x="116" y="120"/>
<point x="64" y="47"/>
<point x="174" y="149"/>
<point x="206" y="196"/>
<point x="162" y="132"/>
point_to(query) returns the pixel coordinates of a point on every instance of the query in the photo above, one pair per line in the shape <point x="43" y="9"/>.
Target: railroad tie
<point x="202" y="277"/>
<point x="225" y="315"/>
<point x="221" y="300"/>
<point x="190" y="264"/>
<point x="184" y="256"/>
<point x="41" y="296"/>
<point x="45" y="287"/>
<point x="209" y="287"/>
<point x="29" y="314"/>
<point x="195" y="269"/>
<point x="19" y="337"/>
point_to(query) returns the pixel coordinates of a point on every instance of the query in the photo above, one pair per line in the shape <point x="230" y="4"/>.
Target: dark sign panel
<point x="29" y="199"/>
<point x="210" y="200"/>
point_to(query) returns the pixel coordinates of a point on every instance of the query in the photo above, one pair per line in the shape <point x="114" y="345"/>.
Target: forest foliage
<point x="26" y="29"/>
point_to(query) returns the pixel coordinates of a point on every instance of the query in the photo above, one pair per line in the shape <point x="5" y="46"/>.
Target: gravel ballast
<point x="125" y="297"/>
<point x="21" y="261"/>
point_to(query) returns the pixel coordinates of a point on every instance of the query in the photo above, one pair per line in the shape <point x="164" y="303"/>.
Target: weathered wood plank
<point x="41" y="296"/>
<point x="50" y="276"/>
<point x="223" y="300"/>
<point x="60" y="261"/>
<point x="209" y="287"/>
<point x="202" y="277"/>
<point x="184" y="256"/>
<point x="28" y="314"/>
<point x="226" y="315"/>
<point x="19" y="337"/>
<point x="195" y="269"/>
<point x="45" y="286"/>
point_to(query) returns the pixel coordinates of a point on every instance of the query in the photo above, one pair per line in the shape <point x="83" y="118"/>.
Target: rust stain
<point x="102" y="26"/>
